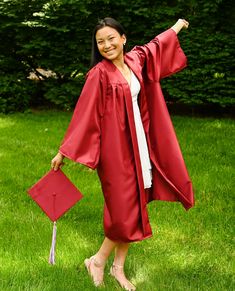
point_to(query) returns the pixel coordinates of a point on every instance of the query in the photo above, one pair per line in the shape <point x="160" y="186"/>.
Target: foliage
<point x="209" y="77"/>
<point x="65" y="95"/>
<point x="55" y="36"/>
<point x="15" y="93"/>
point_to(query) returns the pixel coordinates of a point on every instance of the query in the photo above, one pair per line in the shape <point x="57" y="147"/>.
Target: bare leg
<point x="121" y="251"/>
<point x="117" y="269"/>
<point x="96" y="264"/>
<point x="105" y="250"/>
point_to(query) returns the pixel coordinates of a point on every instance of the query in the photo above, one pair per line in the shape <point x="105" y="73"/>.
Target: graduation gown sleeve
<point x="82" y="139"/>
<point x="158" y="59"/>
<point x="162" y="56"/>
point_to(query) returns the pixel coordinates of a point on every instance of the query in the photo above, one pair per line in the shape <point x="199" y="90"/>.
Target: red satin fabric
<point x="102" y="135"/>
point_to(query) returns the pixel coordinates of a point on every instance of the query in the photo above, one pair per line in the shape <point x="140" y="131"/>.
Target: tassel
<point x="53" y="244"/>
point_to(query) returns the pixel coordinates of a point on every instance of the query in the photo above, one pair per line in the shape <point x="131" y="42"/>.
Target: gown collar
<point x="108" y="64"/>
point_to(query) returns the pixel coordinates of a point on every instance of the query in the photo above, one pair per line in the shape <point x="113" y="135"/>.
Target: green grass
<point x="189" y="250"/>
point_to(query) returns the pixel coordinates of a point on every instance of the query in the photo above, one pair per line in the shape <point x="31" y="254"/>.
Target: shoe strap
<point x="117" y="266"/>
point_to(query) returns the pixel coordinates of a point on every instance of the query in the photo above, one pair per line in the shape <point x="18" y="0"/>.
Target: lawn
<point x="190" y="250"/>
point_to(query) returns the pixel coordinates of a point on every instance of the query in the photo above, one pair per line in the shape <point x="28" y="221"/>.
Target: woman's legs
<point x="96" y="264"/>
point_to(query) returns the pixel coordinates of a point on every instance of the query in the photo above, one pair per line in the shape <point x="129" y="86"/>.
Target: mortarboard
<point x="55" y="194"/>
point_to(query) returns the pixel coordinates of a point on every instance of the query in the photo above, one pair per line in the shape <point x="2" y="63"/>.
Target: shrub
<point x="15" y="92"/>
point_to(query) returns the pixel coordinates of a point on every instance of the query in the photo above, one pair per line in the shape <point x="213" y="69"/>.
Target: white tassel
<point x="53" y="245"/>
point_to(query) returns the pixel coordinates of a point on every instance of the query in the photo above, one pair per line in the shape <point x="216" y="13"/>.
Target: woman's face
<point x="110" y="43"/>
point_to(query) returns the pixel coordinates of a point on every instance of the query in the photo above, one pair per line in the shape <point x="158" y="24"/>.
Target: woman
<point x="122" y="128"/>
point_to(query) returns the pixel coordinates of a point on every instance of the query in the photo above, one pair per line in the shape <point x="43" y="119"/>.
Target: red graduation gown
<point x="102" y="135"/>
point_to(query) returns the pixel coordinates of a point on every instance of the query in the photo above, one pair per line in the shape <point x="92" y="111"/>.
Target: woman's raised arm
<point x="181" y="23"/>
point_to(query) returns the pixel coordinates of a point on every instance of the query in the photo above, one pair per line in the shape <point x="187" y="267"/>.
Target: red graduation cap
<point x="55" y="194"/>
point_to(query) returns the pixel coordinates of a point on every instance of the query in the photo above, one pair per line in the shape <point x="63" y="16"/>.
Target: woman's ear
<point x="124" y="39"/>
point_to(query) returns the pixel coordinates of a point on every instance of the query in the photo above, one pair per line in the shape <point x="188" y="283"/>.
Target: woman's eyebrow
<point x="110" y="35"/>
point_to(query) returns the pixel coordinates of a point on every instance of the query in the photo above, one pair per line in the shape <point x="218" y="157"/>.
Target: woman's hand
<point x="57" y="161"/>
<point x="181" y="23"/>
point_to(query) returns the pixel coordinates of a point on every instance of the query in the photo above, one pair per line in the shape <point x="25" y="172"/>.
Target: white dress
<point x="141" y="138"/>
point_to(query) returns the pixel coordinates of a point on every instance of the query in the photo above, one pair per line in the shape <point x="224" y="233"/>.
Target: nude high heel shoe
<point x="123" y="282"/>
<point x="88" y="264"/>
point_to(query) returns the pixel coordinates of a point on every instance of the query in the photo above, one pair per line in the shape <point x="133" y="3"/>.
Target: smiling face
<point x="110" y="43"/>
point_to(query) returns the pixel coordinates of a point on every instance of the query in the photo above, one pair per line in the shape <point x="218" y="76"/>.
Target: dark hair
<point x="108" y="21"/>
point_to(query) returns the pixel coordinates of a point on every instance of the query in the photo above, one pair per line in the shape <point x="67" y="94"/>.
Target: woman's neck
<point x="124" y="69"/>
<point x="119" y="63"/>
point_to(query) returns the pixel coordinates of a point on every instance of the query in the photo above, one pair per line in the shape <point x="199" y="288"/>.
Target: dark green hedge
<point x="56" y="36"/>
